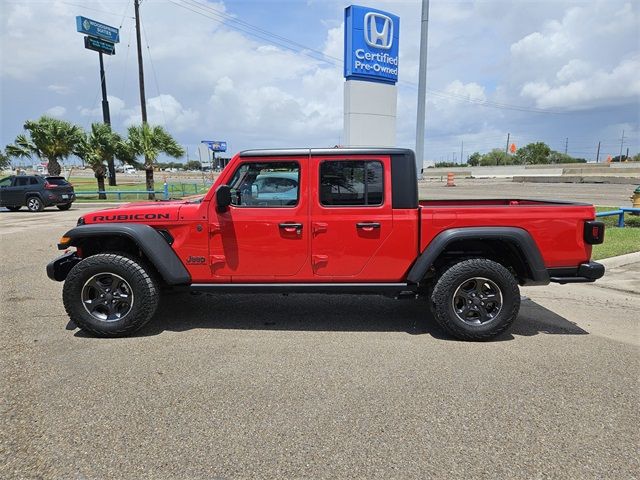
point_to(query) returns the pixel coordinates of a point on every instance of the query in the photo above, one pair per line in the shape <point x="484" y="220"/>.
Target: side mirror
<point x="223" y="196"/>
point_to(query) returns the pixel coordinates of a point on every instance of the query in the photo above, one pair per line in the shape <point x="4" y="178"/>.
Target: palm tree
<point x="96" y="148"/>
<point x="5" y="161"/>
<point x="48" y="138"/>
<point x="150" y="141"/>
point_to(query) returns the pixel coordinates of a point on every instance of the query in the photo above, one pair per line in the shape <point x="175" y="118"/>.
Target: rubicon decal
<point x="133" y="216"/>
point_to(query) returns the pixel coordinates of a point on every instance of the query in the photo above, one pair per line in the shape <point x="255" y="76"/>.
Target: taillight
<point x="593" y="232"/>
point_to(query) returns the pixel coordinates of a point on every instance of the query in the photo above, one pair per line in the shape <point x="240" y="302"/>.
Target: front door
<point x="351" y="214"/>
<point x="13" y="195"/>
<point x="264" y="234"/>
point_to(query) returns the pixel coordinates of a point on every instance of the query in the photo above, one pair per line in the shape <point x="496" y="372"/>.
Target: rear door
<point x="351" y="213"/>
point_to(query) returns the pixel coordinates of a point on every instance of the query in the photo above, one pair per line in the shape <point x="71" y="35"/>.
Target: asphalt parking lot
<point x="269" y="386"/>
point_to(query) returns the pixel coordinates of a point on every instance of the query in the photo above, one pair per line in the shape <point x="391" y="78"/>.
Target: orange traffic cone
<point x="450" y="177"/>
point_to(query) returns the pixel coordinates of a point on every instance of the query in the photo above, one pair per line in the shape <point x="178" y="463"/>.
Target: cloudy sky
<point x="268" y="73"/>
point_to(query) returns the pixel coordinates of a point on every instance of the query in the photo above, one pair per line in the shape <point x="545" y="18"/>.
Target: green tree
<point x="474" y="159"/>
<point x="48" y="138"/>
<point x="533" y="154"/>
<point x="496" y="156"/>
<point x="5" y="161"/>
<point x="149" y="141"/>
<point x="96" y="148"/>
<point x="193" y="165"/>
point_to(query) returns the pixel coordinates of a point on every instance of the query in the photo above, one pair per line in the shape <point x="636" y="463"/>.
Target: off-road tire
<point x="138" y="276"/>
<point x="14" y="208"/>
<point x="34" y="204"/>
<point x="64" y="206"/>
<point x="452" y="279"/>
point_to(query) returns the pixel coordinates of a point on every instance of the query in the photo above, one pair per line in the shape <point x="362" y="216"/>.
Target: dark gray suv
<point x="35" y="192"/>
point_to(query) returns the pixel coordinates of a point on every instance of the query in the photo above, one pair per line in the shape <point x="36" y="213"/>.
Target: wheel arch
<point x="133" y="238"/>
<point x="511" y="246"/>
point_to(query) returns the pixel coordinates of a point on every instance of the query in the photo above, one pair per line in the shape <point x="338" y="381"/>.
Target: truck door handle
<point x="291" y="227"/>
<point x="367" y="225"/>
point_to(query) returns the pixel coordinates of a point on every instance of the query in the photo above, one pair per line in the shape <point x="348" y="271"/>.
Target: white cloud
<point x="57" y="111"/>
<point x="576" y="91"/>
<point x="212" y="81"/>
<point x="59" y="89"/>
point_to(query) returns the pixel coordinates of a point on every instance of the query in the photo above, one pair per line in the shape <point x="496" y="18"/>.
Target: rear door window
<point x="57" y="181"/>
<point x="351" y="183"/>
<point x="21" y="182"/>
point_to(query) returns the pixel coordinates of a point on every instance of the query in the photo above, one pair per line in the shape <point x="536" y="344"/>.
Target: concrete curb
<point x="620" y="260"/>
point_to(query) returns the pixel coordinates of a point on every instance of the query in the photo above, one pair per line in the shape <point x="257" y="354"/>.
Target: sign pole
<point x="106" y="118"/>
<point x="422" y="88"/>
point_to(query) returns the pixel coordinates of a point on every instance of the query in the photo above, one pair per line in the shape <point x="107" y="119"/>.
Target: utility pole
<point x="621" y="142"/>
<point x="598" y="153"/>
<point x="506" y="149"/>
<point x="627" y="154"/>
<point x="461" y="150"/>
<point x="106" y="118"/>
<point x="143" y="104"/>
<point x="422" y="87"/>
<point x="566" y="145"/>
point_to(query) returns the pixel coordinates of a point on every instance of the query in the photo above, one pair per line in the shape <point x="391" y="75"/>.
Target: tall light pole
<point x="422" y="88"/>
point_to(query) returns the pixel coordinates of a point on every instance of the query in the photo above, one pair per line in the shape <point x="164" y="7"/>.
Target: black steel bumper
<point x="59" y="268"/>
<point x="585" y="272"/>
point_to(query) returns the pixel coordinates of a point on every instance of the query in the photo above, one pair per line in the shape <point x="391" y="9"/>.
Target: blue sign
<point x="371" y="40"/>
<point x="215" y="145"/>
<point x="97" y="29"/>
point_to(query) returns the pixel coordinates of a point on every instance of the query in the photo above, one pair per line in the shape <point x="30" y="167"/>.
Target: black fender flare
<point x="154" y="246"/>
<point x="518" y="237"/>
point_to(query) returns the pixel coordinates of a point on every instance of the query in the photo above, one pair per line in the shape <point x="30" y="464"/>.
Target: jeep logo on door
<point x="371" y="45"/>
<point x="382" y="38"/>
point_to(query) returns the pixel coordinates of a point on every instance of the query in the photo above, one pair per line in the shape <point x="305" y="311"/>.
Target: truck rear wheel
<point x="476" y="299"/>
<point x="110" y="295"/>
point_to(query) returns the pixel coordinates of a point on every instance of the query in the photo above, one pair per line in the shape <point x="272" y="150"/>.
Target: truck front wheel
<point x="476" y="299"/>
<point x="110" y="295"/>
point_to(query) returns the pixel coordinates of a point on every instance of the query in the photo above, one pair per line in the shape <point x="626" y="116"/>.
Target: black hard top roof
<point x="283" y="152"/>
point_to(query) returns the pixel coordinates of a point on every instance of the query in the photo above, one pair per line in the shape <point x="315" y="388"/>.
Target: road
<point x="268" y="386"/>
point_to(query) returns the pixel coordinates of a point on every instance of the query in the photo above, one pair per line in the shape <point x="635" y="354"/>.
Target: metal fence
<point x="172" y="190"/>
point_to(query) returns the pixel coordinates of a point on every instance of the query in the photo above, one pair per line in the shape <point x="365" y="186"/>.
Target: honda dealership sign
<point x="371" y="45"/>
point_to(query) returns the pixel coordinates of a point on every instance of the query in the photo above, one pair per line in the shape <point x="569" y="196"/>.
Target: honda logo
<point x="378" y="38"/>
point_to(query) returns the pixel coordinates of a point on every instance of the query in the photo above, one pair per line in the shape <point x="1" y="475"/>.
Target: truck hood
<point x="144" y="212"/>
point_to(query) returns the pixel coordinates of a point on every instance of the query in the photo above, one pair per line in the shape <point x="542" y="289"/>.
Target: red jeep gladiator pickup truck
<point x="336" y="221"/>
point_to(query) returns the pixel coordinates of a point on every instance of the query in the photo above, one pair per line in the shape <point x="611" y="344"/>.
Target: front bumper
<point x="59" y="268"/>
<point x="584" y="273"/>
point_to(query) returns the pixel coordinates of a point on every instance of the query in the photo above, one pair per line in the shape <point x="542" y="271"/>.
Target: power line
<point x="153" y="70"/>
<point x="284" y="42"/>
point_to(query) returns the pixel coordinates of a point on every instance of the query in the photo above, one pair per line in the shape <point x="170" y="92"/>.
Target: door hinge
<point x="216" y="261"/>
<point x="319" y="227"/>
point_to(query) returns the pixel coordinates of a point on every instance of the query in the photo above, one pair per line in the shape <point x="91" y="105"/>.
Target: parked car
<point x="35" y="192"/>
<point x="354" y="226"/>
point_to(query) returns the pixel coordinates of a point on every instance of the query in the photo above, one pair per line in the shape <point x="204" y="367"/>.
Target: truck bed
<point x="556" y="226"/>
